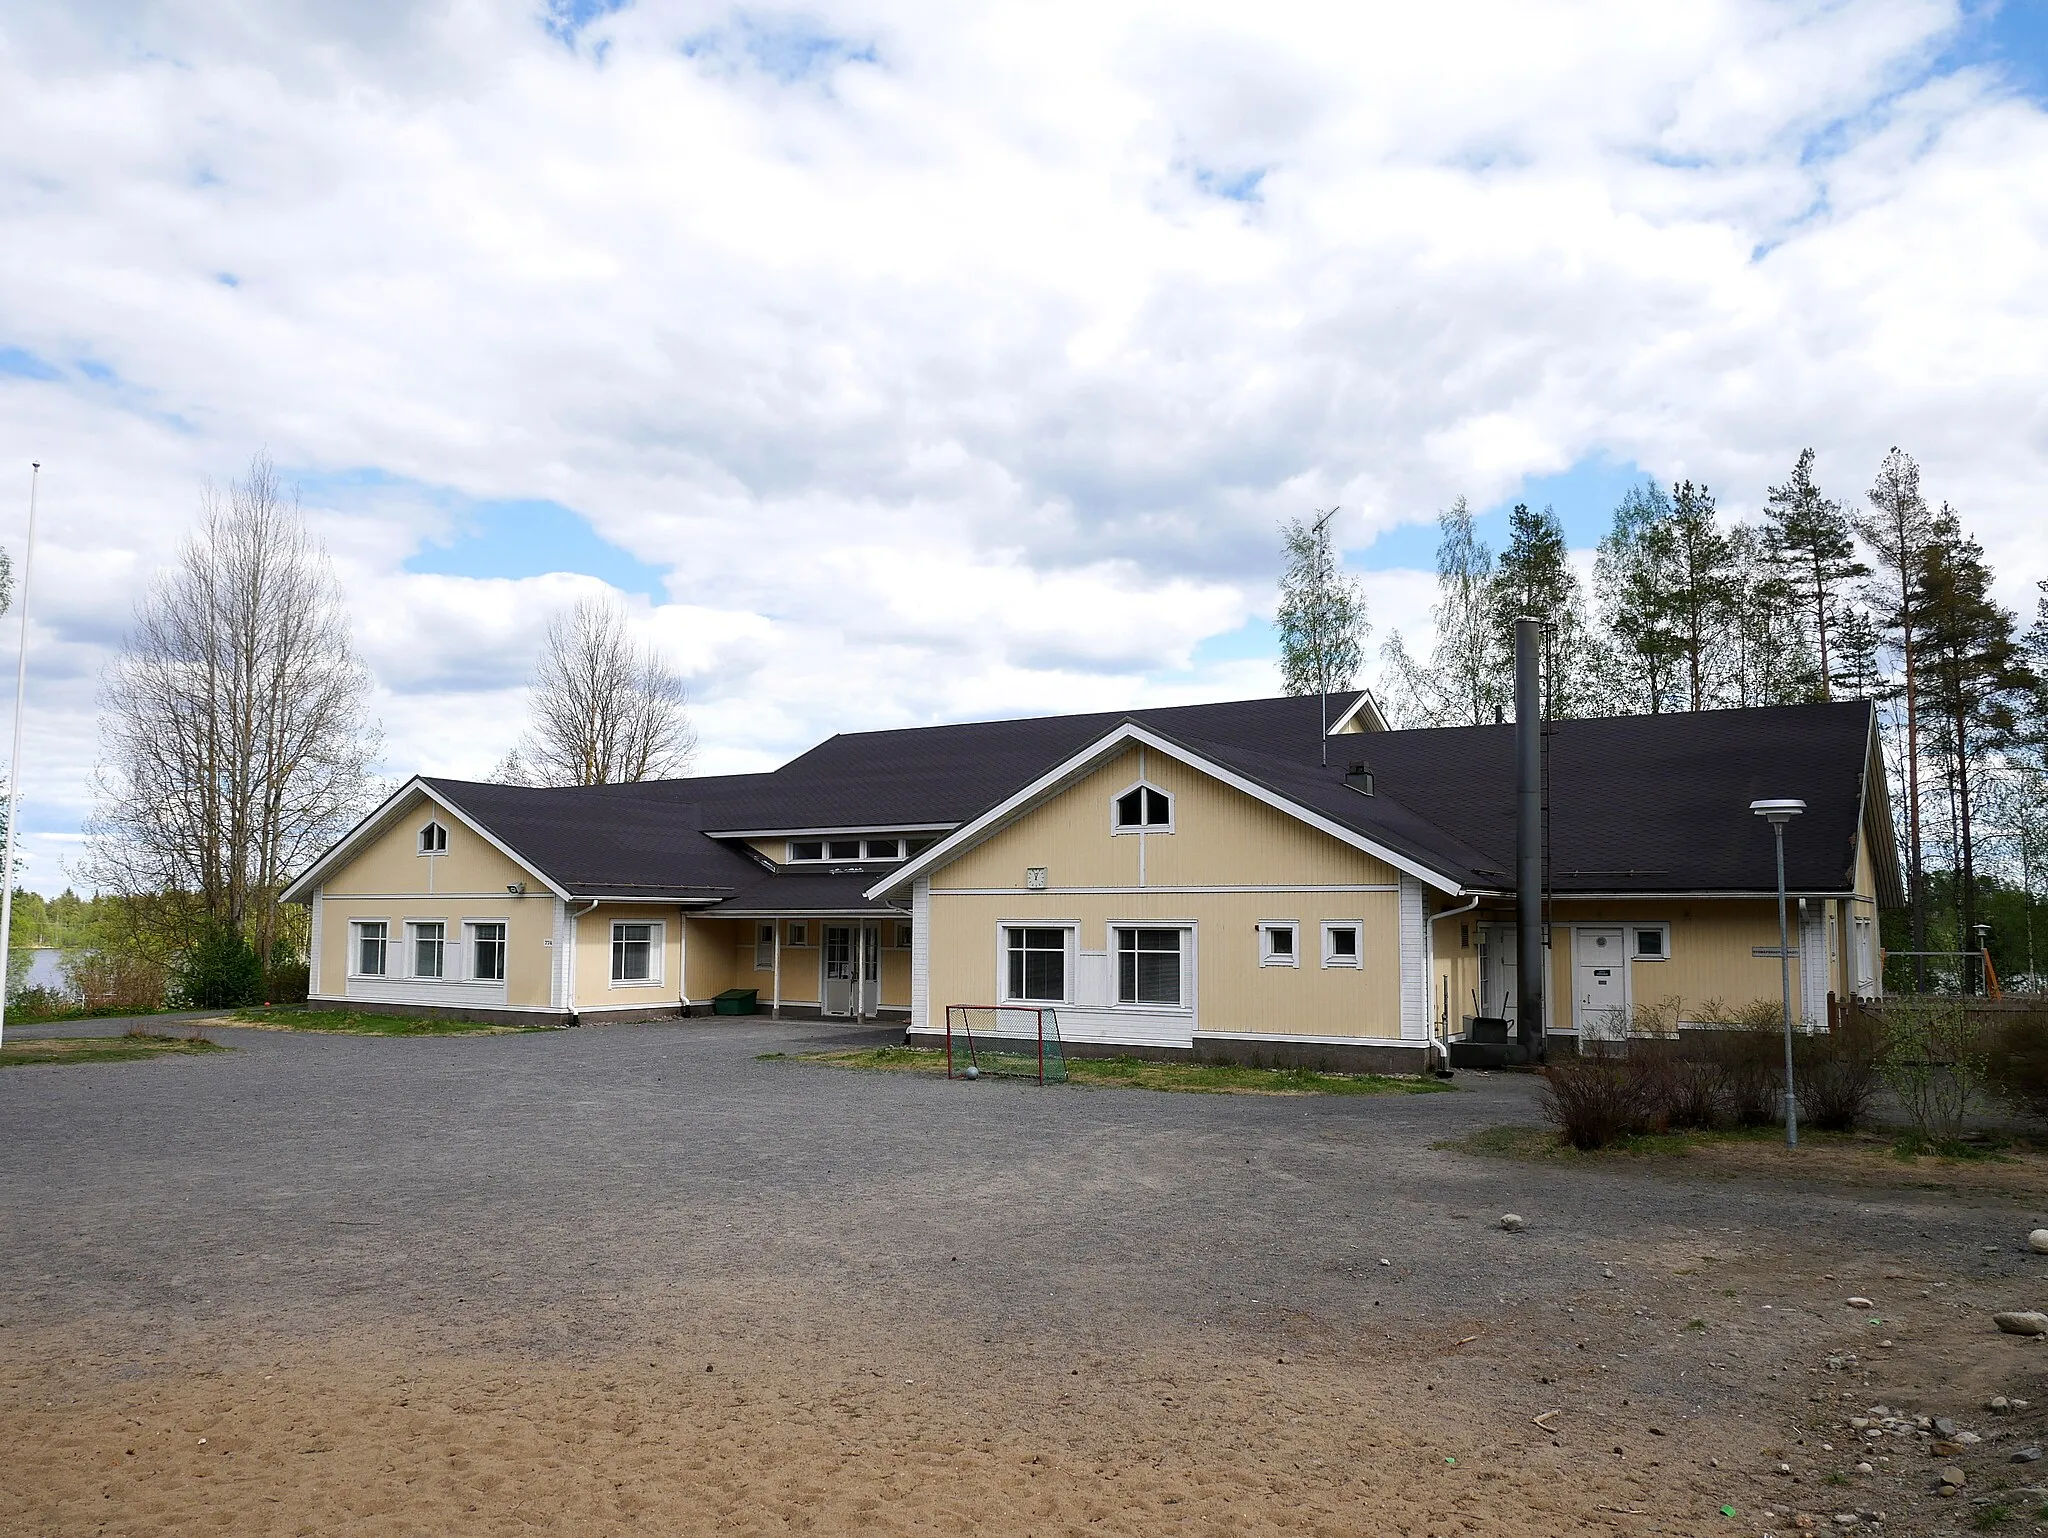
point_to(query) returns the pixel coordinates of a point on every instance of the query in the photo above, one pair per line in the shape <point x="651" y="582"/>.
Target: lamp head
<point x="517" y="889"/>
<point x="1777" y="812"/>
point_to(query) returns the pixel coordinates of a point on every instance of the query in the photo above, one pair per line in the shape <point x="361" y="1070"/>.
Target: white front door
<point x="837" y="961"/>
<point x="1599" y="985"/>
<point x="1498" y="970"/>
<point x="870" y="968"/>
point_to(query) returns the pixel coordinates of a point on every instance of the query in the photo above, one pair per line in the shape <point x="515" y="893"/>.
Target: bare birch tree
<point x="602" y="710"/>
<point x="234" y="740"/>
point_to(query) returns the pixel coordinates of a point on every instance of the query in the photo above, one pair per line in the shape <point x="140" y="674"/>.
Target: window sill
<point x="1152" y="1009"/>
<point x="1279" y="961"/>
<point x="1343" y="966"/>
<point x="643" y="982"/>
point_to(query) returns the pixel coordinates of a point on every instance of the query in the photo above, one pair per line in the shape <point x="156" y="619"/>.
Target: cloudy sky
<point x="906" y="362"/>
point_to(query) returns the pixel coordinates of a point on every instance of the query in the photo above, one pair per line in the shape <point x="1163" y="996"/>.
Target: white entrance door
<point x="1599" y="985"/>
<point x="1498" y="970"/>
<point x="870" y="968"/>
<point x="837" y="961"/>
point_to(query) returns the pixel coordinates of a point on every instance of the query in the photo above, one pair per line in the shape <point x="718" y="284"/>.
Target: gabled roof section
<point x="392" y="809"/>
<point x="1363" y="827"/>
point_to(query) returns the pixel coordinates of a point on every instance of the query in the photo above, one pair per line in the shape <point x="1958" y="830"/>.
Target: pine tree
<point x="1535" y="577"/>
<point x="1767" y="655"/>
<point x="1900" y="530"/>
<point x="1322" y="620"/>
<point x="1701" y="600"/>
<point x="1633" y="578"/>
<point x="1810" y="539"/>
<point x="1975" y="677"/>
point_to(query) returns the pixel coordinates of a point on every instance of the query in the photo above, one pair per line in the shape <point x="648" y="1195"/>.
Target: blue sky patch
<point x="20" y="363"/>
<point x="1583" y="497"/>
<point x="566" y="19"/>
<point x="517" y="539"/>
<point x="1238" y="186"/>
<point x="788" y="49"/>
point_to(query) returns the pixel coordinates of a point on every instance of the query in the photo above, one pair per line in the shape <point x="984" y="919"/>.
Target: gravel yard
<point x="637" y="1279"/>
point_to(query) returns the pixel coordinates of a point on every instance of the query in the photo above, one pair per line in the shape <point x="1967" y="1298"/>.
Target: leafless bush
<point x="1746" y="1047"/>
<point x="114" y="980"/>
<point x="1839" y="1073"/>
<point x="1595" y="1100"/>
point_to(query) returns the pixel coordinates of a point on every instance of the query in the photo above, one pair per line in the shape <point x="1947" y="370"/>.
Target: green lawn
<point x="22" y="1052"/>
<point x="1137" y="1073"/>
<point x="369" y="1024"/>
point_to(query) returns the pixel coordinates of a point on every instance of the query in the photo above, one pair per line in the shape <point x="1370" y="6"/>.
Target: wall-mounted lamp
<point x="517" y="889"/>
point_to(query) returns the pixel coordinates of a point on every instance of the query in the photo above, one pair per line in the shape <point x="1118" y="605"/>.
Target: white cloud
<point x="933" y="359"/>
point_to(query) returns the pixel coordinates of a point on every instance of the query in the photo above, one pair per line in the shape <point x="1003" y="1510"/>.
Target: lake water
<point x="45" y="968"/>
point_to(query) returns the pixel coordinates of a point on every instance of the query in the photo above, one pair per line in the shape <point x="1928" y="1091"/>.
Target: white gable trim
<point x="1061" y="775"/>
<point x="375" y="824"/>
<point x="1375" y="720"/>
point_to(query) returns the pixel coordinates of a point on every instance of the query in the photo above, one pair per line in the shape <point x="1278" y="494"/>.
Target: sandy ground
<point x="371" y="1330"/>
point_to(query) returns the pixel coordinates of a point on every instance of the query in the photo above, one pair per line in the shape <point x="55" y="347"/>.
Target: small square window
<point x="1649" y="944"/>
<point x="1276" y="945"/>
<point x="903" y="937"/>
<point x="1340" y="945"/>
<point x="799" y="934"/>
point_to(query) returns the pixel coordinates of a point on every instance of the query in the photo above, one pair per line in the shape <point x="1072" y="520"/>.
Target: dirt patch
<point x="1139" y="1073"/>
<point x="709" y="1434"/>
<point x="26" y="1052"/>
<point x="1856" y="1159"/>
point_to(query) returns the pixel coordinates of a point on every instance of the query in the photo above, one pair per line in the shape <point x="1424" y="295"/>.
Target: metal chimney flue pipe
<point x="1529" y="835"/>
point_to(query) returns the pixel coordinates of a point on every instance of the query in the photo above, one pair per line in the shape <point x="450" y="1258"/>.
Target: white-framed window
<point x="1035" y="963"/>
<point x="1340" y="945"/>
<point x="636" y="953"/>
<point x="808" y="851"/>
<point x="487" y="951"/>
<point x="371" y="951"/>
<point x="1141" y="809"/>
<point x="799" y="936"/>
<point x="429" y="947"/>
<point x="1151" y="967"/>
<point x="764" y="947"/>
<point x="902" y="931"/>
<point x="433" y="839"/>
<point x="1279" y="943"/>
<point x="885" y="849"/>
<point x="1650" y="942"/>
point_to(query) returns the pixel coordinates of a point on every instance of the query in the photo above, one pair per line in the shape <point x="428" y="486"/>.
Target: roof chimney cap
<point x="1359" y="777"/>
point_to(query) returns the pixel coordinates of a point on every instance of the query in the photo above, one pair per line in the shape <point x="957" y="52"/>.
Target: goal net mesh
<point x="1004" y="1041"/>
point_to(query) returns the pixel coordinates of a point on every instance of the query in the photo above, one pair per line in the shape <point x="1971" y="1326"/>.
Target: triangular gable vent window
<point x="1143" y="807"/>
<point x="433" y="839"/>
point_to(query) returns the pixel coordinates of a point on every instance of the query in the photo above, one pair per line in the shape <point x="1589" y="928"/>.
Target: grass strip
<point x="351" y="1023"/>
<point x="1140" y="1073"/>
<point x="25" y="1052"/>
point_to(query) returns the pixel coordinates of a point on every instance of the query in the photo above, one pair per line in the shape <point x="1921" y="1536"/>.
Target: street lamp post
<point x="1778" y="813"/>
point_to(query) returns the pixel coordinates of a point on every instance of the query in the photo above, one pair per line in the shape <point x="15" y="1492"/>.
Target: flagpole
<point x="28" y="560"/>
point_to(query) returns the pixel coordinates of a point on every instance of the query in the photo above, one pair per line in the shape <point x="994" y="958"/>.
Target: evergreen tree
<point x="1633" y="578"/>
<point x="1322" y="620"/>
<point x="1810" y="539"/>
<point x="1535" y="577"/>
<point x="1767" y="655"/>
<point x="1975" y="676"/>
<point x="1900" y="530"/>
<point x="1702" y="597"/>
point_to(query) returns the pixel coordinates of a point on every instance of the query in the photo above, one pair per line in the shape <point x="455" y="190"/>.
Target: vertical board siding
<point x="1414" y="962"/>
<point x="921" y="953"/>
<point x="313" y="946"/>
<point x="1812" y="940"/>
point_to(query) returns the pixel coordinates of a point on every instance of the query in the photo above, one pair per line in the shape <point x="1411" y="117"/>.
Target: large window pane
<point x="1148" y="966"/>
<point x="487" y="953"/>
<point x="426" y="949"/>
<point x="1037" y="965"/>
<point x="632" y="953"/>
<point x="370" y="949"/>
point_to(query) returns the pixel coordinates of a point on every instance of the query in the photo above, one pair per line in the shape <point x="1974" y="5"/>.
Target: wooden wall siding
<point x="921" y="953"/>
<point x="390" y="880"/>
<point x="1414" y="940"/>
<point x="1233" y="992"/>
<point x="708" y="958"/>
<point x="1221" y="837"/>
<point x="593" y="967"/>
<point x="803" y="966"/>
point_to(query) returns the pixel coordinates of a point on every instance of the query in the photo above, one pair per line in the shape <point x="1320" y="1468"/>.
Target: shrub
<point x="220" y="971"/>
<point x="2016" y="1059"/>
<point x="116" y="981"/>
<point x="287" y="983"/>
<point x="1747" y="1049"/>
<point x="1838" y="1074"/>
<point x="1933" y="1062"/>
<point x="1595" y="1100"/>
<point x="1692" y="1092"/>
<point x="38" y="1003"/>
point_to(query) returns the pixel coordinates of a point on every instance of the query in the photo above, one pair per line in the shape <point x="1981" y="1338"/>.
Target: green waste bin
<point x="737" y="1001"/>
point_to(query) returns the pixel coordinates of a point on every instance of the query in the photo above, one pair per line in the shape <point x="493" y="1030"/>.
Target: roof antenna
<point x="1321" y="531"/>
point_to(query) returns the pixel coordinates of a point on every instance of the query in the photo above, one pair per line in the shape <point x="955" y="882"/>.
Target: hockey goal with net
<point x="1006" y="1041"/>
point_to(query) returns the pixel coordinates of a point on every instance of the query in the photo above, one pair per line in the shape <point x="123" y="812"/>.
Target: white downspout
<point x="569" y="964"/>
<point x="775" y="1007"/>
<point x="1443" y="1046"/>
